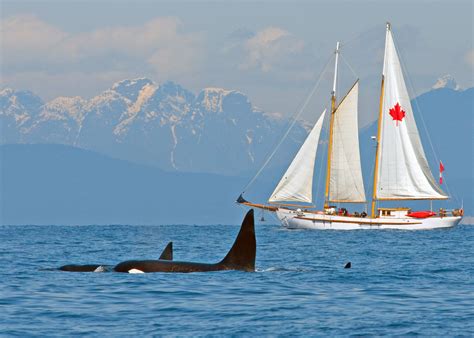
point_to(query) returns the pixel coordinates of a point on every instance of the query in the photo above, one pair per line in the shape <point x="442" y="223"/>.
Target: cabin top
<point x="393" y="212"/>
<point x="394" y="209"/>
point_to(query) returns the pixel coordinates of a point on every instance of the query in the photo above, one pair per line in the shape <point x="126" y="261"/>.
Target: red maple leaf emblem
<point x="397" y="113"/>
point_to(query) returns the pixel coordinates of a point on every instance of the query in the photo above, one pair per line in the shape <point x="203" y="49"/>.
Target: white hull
<point x="293" y="219"/>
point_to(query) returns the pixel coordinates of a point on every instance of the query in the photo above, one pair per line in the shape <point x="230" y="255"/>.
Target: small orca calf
<point x="240" y="257"/>
<point x="348" y="265"/>
<point x="81" y="268"/>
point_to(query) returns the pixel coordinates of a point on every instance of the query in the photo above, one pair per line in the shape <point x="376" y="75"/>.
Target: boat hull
<point x="294" y="219"/>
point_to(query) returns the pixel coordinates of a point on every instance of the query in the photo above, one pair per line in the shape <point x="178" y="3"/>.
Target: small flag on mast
<point x="441" y="169"/>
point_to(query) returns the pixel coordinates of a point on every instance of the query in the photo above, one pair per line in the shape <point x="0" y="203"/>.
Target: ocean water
<point x="400" y="283"/>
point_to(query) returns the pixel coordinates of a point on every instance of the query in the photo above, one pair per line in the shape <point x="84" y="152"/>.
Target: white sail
<point x="346" y="183"/>
<point x="403" y="171"/>
<point x="297" y="182"/>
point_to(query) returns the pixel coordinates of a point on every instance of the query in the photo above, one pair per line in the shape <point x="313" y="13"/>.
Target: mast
<point x="377" y="151"/>
<point x="331" y="124"/>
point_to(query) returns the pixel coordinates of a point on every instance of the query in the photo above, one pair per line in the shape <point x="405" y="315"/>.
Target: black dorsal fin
<point x="242" y="254"/>
<point x="167" y="253"/>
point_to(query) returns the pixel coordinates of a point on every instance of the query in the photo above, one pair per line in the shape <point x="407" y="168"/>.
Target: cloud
<point x="158" y="45"/>
<point x="241" y="34"/>
<point x="270" y="49"/>
<point x="25" y="37"/>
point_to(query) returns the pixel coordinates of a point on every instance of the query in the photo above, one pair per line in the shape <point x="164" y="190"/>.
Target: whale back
<point x="80" y="268"/>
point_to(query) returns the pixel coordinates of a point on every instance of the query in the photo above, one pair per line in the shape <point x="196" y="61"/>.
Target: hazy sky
<point x="271" y="50"/>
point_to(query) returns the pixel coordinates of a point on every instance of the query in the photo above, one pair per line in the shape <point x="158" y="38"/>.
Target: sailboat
<point x="401" y="170"/>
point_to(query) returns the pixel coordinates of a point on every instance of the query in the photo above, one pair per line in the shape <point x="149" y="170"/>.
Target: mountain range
<point x="167" y="126"/>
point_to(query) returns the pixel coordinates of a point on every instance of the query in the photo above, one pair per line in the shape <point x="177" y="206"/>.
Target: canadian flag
<point x="441" y="169"/>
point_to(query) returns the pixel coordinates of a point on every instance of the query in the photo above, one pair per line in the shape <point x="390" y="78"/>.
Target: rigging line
<point x="357" y="36"/>
<point x="273" y="215"/>
<point x="420" y="113"/>
<point x="348" y="65"/>
<point x="293" y="122"/>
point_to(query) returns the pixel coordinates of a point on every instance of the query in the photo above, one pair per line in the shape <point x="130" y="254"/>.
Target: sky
<point x="273" y="51"/>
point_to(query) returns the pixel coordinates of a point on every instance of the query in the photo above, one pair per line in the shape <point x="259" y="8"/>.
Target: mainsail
<point x="403" y="171"/>
<point x="297" y="182"/>
<point x="346" y="183"/>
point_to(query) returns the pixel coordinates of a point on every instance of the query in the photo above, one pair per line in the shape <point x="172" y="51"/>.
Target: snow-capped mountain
<point x="446" y="81"/>
<point x="165" y="125"/>
<point x="16" y="111"/>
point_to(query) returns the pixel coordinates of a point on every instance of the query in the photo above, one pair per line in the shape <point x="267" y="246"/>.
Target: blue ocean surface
<point x="401" y="282"/>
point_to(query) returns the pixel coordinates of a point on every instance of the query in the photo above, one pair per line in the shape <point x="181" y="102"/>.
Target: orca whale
<point x="167" y="254"/>
<point x="241" y="256"/>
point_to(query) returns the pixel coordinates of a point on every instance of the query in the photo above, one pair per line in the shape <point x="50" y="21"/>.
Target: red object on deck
<point x="421" y="214"/>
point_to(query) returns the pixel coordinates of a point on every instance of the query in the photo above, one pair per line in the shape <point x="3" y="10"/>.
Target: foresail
<point x="346" y="182"/>
<point x="297" y="182"/>
<point x="403" y="171"/>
